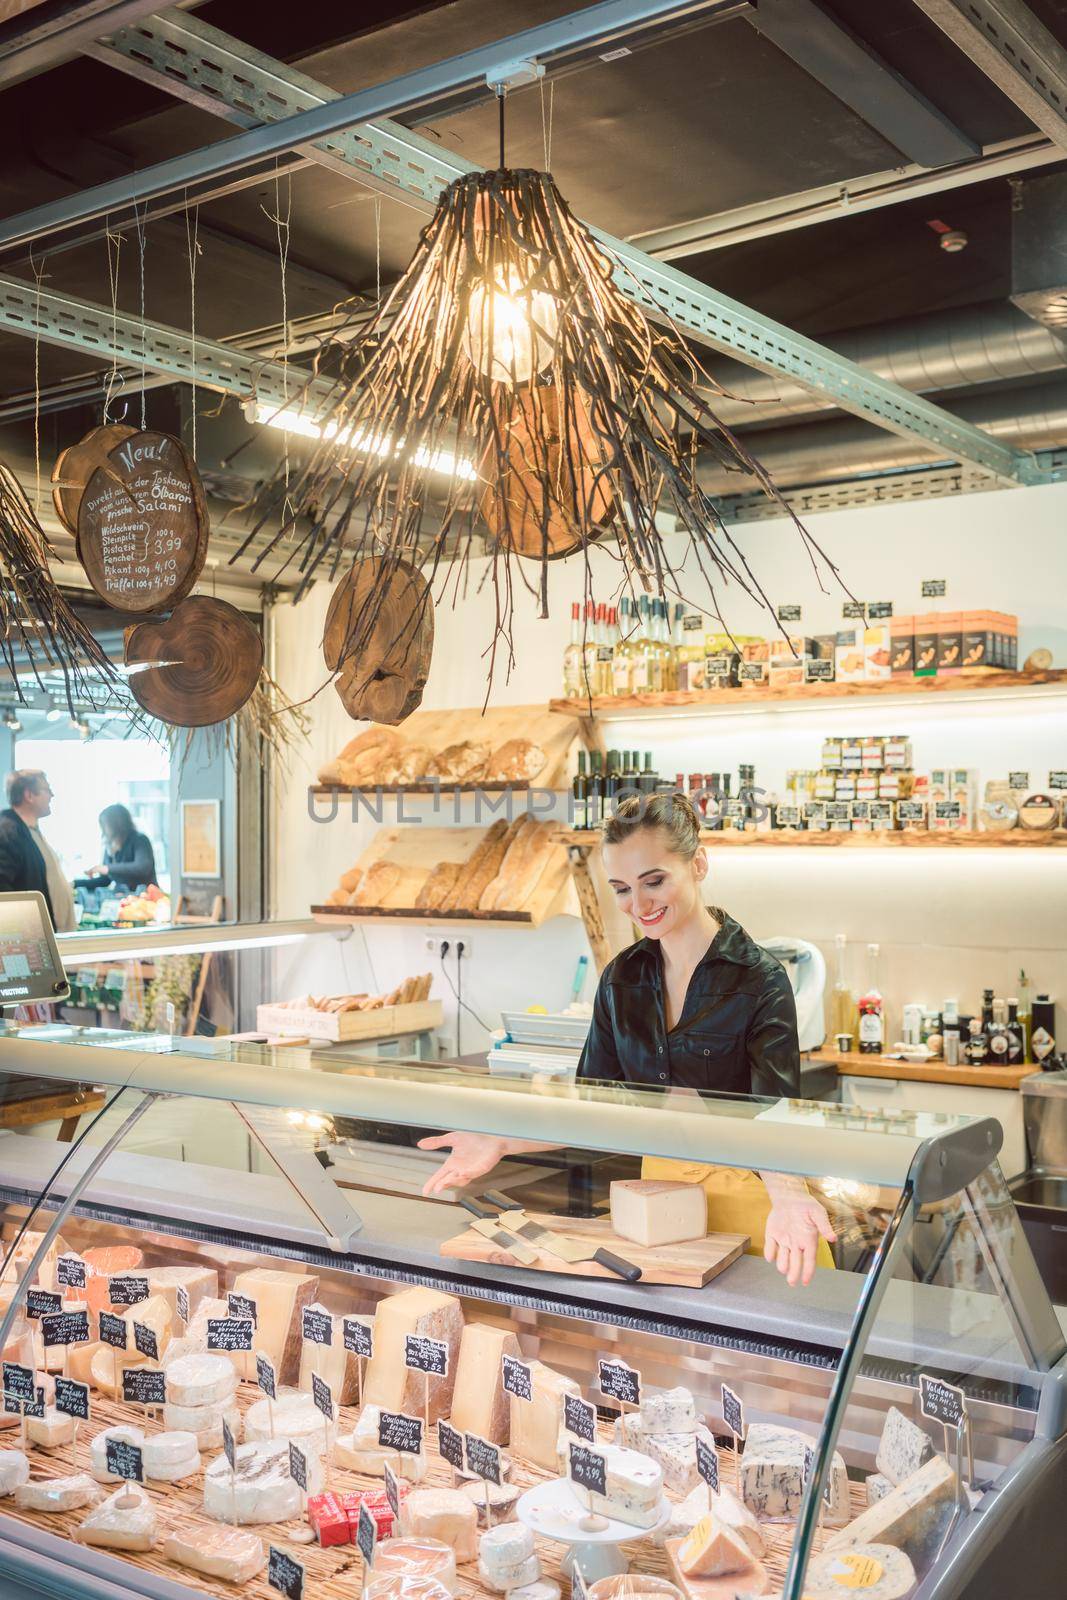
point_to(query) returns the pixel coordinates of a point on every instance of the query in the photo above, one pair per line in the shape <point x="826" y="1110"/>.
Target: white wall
<point x="947" y="923"/>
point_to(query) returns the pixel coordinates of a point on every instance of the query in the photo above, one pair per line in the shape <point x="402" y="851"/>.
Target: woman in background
<point x="129" y="860"/>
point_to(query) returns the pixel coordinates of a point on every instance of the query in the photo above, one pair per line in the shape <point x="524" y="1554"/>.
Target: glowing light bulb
<point x="511" y="329"/>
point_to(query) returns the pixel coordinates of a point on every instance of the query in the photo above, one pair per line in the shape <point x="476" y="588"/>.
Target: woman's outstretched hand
<point x="472" y="1156"/>
<point x="791" y="1237"/>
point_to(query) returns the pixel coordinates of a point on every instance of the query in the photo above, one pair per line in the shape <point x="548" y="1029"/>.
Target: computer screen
<point x="30" y="966"/>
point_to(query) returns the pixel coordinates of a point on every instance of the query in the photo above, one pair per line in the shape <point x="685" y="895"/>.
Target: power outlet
<point x="435" y="944"/>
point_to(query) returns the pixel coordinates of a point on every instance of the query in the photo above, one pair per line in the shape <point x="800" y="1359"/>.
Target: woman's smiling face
<point x="657" y="888"/>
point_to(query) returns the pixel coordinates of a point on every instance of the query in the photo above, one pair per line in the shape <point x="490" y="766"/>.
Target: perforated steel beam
<point x="1015" y="51"/>
<point x="199" y="64"/>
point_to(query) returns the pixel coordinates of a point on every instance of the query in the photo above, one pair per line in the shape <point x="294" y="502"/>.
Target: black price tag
<point x="911" y="810"/>
<point x="18" y="1380"/>
<point x="266" y="1377"/>
<point x="518" y="1378"/>
<point x="620" y="1381"/>
<point x="358" y="1337"/>
<point x="578" y="1588"/>
<point x="1018" y="780"/>
<point x="588" y="1468"/>
<point x="142" y="1386"/>
<point x="26" y="1406"/>
<point x="948" y="811"/>
<point x="579" y="1417"/>
<point x="941" y="1402"/>
<point x="450" y="1444"/>
<point x="366" y="1534"/>
<point x="285" y="1574"/>
<point x="66" y="1327"/>
<point x="788" y="613"/>
<point x="818" y="671"/>
<point x="113" y="1330"/>
<point x="708" y="1463"/>
<point x="853" y="610"/>
<point x="880" y="608"/>
<point x="182" y="1297"/>
<point x="733" y="1412"/>
<point x="124" y="1460"/>
<point x="243" y="1307"/>
<point x="392" y="1488"/>
<point x="322" y="1395"/>
<point x="127" y="1290"/>
<point x="229" y="1448"/>
<point x="71" y="1272"/>
<point x="483" y="1458"/>
<point x="298" y="1466"/>
<point x="933" y="588"/>
<point x="72" y="1399"/>
<point x="426" y="1355"/>
<point x="316" y="1326"/>
<point x="42" y="1303"/>
<point x="396" y="1431"/>
<point x="145" y="1340"/>
<point x="1057" y="779"/>
<point x="229" y="1333"/>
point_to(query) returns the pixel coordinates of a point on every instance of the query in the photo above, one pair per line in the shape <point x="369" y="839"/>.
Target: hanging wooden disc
<point x="378" y="639"/>
<point x="210" y="659"/>
<point x="538" y="505"/>
<point x="75" y="466"/>
<point x="143" y="524"/>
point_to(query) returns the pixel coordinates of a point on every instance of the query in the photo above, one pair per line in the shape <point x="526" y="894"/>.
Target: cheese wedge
<point x="633" y="1488"/>
<point x="392" y="1385"/>
<point x="657" y="1211"/>
<point x="480" y="1403"/>
<point x="912" y="1517"/>
<point x="80" y="1360"/>
<point x="57" y="1494"/>
<point x="125" y="1521"/>
<point x="332" y="1362"/>
<point x="280" y="1297"/>
<point x="199" y="1283"/>
<point x="295" y="1416"/>
<point x="712" y="1550"/>
<point x="535" y="1424"/>
<point x="226" y="1553"/>
<point x="55" y="1428"/>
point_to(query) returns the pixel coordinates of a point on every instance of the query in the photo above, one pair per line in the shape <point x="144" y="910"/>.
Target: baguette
<point x="517" y="845"/>
<point x="456" y="898"/>
<point x="350" y="879"/>
<point x="437" y="885"/>
<point x="479" y="880"/>
<point x="523" y="874"/>
<point x="380" y="881"/>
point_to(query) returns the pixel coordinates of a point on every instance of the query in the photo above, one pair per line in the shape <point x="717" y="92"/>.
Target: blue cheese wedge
<point x="634" y="1486"/>
<point x="877" y="1488"/>
<point x="904" y="1447"/>
<point x="670" y="1412"/>
<point x="676" y="1454"/>
<point x="913" y="1517"/>
<point x="772" y="1475"/>
<point x="629" y="1432"/>
<point x="870" y="1571"/>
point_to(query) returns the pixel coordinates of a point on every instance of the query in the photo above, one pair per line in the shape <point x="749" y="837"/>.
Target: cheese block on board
<point x="913" y="1516"/>
<point x="200" y="1380"/>
<point x="535" y="1424"/>
<point x="199" y="1283"/>
<point x="332" y="1362"/>
<point x="204" y="1422"/>
<point x="877" y="1488"/>
<point x="634" y="1488"/>
<point x="480" y="1403"/>
<point x="226" y="1553"/>
<point x="389" y="1383"/>
<point x="280" y="1297"/>
<point x="712" y="1550"/>
<point x="676" y="1454"/>
<point x="262" y="1489"/>
<point x="656" y="1211"/>
<point x="58" y="1494"/>
<point x="14" y="1470"/>
<point x="445" y="1514"/>
<point x="417" y="1558"/>
<point x="673" y="1411"/>
<point x="55" y="1428"/>
<point x="903" y="1448"/>
<point x="871" y="1571"/>
<point x="772" y="1475"/>
<point x="501" y="1496"/>
<point x="294" y="1415"/>
<point x="125" y="1521"/>
<point x="98" y="1450"/>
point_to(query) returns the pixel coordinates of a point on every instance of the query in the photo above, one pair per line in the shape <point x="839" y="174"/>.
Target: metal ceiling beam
<point x="55" y="31"/>
<point x="860" y="79"/>
<point x="197" y="63"/>
<point x="1015" y="51"/>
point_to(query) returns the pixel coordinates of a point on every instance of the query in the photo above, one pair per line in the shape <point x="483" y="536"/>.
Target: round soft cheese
<point x="200" y="1380"/>
<point x="260" y="1489"/>
<point x="506" y="1546"/>
<point x="14" y="1470"/>
<point x="169" y="1457"/>
<point x="203" y="1422"/>
<point x="98" y="1451"/>
<point x="416" y="1558"/>
<point x="517" y="1577"/>
<point x="295" y="1416"/>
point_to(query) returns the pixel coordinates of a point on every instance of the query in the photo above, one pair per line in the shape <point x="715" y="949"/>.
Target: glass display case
<point x="897" y="1427"/>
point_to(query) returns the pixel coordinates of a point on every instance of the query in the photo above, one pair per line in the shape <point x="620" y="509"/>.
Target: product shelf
<point x="1015" y="839"/>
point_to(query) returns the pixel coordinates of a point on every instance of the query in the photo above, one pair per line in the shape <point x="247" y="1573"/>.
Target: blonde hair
<point x="674" y="813"/>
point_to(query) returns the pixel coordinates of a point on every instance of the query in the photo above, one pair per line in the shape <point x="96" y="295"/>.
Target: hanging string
<point x="139" y="222"/>
<point x="377" y="250"/>
<point x="192" y="243"/>
<point x="500" y="95"/>
<point x="281" y="225"/>
<point x="114" y="248"/>
<point x="546" y="121"/>
<point x="37" y="272"/>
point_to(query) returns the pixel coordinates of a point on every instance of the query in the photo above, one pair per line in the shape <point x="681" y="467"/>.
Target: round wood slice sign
<point x="378" y="639"/>
<point x="143" y="525"/>
<point x="200" y="664"/>
<point x="76" y="465"/>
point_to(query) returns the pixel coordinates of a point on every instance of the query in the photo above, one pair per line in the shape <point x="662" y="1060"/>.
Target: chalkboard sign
<point x="426" y="1355"/>
<point x="579" y="1417"/>
<point x="113" y="1330"/>
<point x="18" y="1380"/>
<point x="229" y="1448"/>
<point x="182" y="1298"/>
<point x="392" y="1488"/>
<point x="322" y="1395"/>
<point x="124" y="1460"/>
<point x="146" y="1341"/>
<point x="788" y="613"/>
<point x="708" y="1463"/>
<point x="941" y="1402"/>
<point x="450" y="1444"/>
<point x="127" y="1290"/>
<point x="517" y="1377"/>
<point x="144" y="1386"/>
<point x="26" y="1406"/>
<point x="358" y="1337"/>
<point x="229" y="1333"/>
<point x="853" y="609"/>
<point x="316" y="1326"/>
<point x="733" y="1412"/>
<point x="911" y="810"/>
<point x="588" y="1468"/>
<point x="72" y="1399"/>
<point x="399" y="1432"/>
<point x="578" y="1588"/>
<point x="818" y="671"/>
<point x="66" y="1327"/>
<point x="933" y="588"/>
<point x="285" y="1574"/>
<point x="948" y="811"/>
<point x="298" y="1466"/>
<point x="266" y="1377"/>
<point x="243" y="1307"/>
<point x="483" y="1458"/>
<point x="1018" y="780"/>
<point x="71" y="1272"/>
<point x="1057" y="779"/>
<point x="142" y="524"/>
<point x="620" y="1381"/>
<point x="880" y="608"/>
<point x="42" y="1303"/>
<point x="366" y="1534"/>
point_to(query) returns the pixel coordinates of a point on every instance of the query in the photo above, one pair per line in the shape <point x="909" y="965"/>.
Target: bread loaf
<point x="377" y="885"/>
<point x="350" y="879"/>
<point x="515" y="761"/>
<point x="405" y="765"/>
<point x="479" y="880"/>
<point x="457" y="897"/>
<point x="521" y="830"/>
<point x="523" y="870"/>
<point x="372" y="738"/>
<point x="337" y="897"/>
<point x="437" y="885"/>
<point x="460" y="763"/>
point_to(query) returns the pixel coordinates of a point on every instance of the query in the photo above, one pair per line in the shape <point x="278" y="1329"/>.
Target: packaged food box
<point x="831" y="754"/>
<point x="823" y="646"/>
<point x="902" y="645"/>
<point x="756" y="650"/>
<point x="785" y="674"/>
<point x="867" y="786"/>
<point x="981" y="648"/>
<point x="848" y="656"/>
<point x="1006" y="636"/>
<point x="926" y="643"/>
<point x="876" y="655"/>
<point x="896" y="785"/>
<point x="825" y="786"/>
<point x="950" y="642"/>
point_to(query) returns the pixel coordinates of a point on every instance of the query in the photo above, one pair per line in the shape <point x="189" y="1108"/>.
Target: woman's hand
<point x="791" y="1237"/>
<point x="473" y="1155"/>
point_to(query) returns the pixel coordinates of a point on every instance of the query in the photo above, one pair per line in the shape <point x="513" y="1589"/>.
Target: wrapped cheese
<point x="262" y="1490"/>
<point x="417" y="1558"/>
<point x="226" y="1553"/>
<point x="57" y="1494"/>
<point x="444" y="1514"/>
<point x="360" y="1451"/>
<point x="14" y="1470"/>
<point x="125" y="1521"/>
<point x="98" y="1450"/>
<point x="398" y="1587"/>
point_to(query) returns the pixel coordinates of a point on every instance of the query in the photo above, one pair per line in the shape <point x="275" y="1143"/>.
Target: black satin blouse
<point x="737" y="1033"/>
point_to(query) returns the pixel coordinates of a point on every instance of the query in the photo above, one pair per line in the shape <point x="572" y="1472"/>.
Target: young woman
<point x="694" y="1005"/>
<point x="129" y="860"/>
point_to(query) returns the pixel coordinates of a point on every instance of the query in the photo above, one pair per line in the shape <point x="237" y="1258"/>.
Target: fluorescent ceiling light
<point x="301" y="423"/>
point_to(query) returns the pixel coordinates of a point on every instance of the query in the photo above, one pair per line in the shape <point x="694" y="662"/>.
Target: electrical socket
<point x="435" y="941"/>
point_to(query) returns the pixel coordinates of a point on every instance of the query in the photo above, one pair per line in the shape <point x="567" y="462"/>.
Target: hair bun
<point x="670" y="810"/>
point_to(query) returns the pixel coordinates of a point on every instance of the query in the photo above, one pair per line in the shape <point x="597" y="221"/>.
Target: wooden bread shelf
<point x="758" y="695"/>
<point x="491" y="919"/>
<point x="853" y="1063"/>
<point x="1016" y="839"/>
<point x="553" y="730"/>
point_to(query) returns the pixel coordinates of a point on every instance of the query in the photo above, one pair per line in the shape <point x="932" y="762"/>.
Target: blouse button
<point x="707" y="1052"/>
<point x="663" y="1077"/>
<point x="661" y="1050"/>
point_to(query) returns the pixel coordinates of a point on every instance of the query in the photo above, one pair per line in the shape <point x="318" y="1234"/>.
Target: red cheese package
<point x="329" y="1519"/>
<point x="377" y="1503"/>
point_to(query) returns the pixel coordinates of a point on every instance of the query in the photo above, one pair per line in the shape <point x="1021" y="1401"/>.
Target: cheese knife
<point x="487" y="1223"/>
<point x="557" y="1244"/>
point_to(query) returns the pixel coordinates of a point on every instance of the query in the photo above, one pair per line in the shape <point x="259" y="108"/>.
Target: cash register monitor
<point x="30" y="965"/>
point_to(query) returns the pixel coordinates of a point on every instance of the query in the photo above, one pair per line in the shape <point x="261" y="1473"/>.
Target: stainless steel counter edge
<point x="35" y="1563"/>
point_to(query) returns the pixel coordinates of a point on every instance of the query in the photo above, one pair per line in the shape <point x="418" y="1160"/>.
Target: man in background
<point x="27" y="860"/>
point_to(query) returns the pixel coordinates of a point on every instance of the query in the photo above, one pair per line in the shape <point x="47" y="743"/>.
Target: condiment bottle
<point x="871" y="1007"/>
<point x="998" y="1037"/>
<point x="1016" y="1035"/>
<point x="950" y="1032"/>
<point x="1043" y="1037"/>
<point x="977" y="1048"/>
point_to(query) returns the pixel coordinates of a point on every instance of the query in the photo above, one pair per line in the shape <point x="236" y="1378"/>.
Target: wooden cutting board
<point x="690" y="1265"/>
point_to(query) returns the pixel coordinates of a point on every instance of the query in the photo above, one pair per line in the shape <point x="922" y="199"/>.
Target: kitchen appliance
<point x="806" y="967"/>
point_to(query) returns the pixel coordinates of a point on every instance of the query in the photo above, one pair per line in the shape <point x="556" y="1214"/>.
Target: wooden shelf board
<point x="1016" y="839"/>
<point x="487" y="919"/>
<point x="855" y="1064"/>
<point x="799" y="695"/>
<point x="445" y="787"/>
